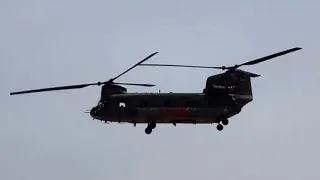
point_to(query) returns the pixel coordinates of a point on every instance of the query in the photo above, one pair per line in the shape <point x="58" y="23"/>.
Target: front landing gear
<point x="150" y="127"/>
<point x="148" y="130"/>
<point x="223" y="121"/>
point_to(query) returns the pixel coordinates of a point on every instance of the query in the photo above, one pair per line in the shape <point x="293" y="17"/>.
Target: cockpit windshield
<point x="102" y="103"/>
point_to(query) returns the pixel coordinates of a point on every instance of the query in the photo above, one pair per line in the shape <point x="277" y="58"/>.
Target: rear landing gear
<point x="148" y="130"/>
<point x="219" y="127"/>
<point x="223" y="121"/>
<point x="150" y="127"/>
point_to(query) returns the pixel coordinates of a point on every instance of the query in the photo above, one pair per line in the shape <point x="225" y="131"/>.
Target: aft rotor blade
<point x="135" y="84"/>
<point x="180" y="65"/>
<point x="135" y="65"/>
<point x="54" y="88"/>
<point x="256" y="61"/>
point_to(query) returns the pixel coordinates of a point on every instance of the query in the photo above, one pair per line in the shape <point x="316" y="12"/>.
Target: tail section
<point x="236" y="82"/>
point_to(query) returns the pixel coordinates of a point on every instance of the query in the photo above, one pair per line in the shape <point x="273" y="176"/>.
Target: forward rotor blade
<point x="85" y="85"/>
<point x="135" y="65"/>
<point x="180" y="65"/>
<point x="135" y="84"/>
<point x="54" y="88"/>
<point x="256" y="61"/>
<point x="74" y="87"/>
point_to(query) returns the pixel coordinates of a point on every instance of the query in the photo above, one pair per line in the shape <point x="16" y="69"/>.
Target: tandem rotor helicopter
<point x="223" y="96"/>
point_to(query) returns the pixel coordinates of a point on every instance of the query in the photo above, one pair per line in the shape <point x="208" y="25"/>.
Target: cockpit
<point x="95" y="110"/>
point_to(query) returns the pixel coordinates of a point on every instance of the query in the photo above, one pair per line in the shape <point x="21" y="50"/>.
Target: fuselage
<point x="193" y="108"/>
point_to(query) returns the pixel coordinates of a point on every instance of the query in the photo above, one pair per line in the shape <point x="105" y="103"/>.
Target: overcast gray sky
<point x="48" y="43"/>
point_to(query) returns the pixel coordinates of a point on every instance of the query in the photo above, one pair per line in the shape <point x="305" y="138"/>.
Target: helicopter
<point x="224" y="96"/>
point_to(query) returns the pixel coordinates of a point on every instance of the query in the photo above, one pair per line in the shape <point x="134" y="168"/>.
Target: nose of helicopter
<point x="94" y="112"/>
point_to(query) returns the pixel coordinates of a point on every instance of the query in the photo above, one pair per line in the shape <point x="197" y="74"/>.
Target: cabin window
<point x="122" y="104"/>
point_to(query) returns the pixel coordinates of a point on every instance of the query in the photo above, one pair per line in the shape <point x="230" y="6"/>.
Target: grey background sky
<point x="48" y="43"/>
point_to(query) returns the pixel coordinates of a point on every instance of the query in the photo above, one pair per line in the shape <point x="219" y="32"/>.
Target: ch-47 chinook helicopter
<point x="223" y="96"/>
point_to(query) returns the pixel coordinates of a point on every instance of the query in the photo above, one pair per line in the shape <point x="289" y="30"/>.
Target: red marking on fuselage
<point x="234" y="77"/>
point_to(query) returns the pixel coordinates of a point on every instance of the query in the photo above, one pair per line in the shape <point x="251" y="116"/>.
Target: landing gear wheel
<point x="152" y="125"/>
<point x="219" y="127"/>
<point x="148" y="130"/>
<point x="225" y="122"/>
